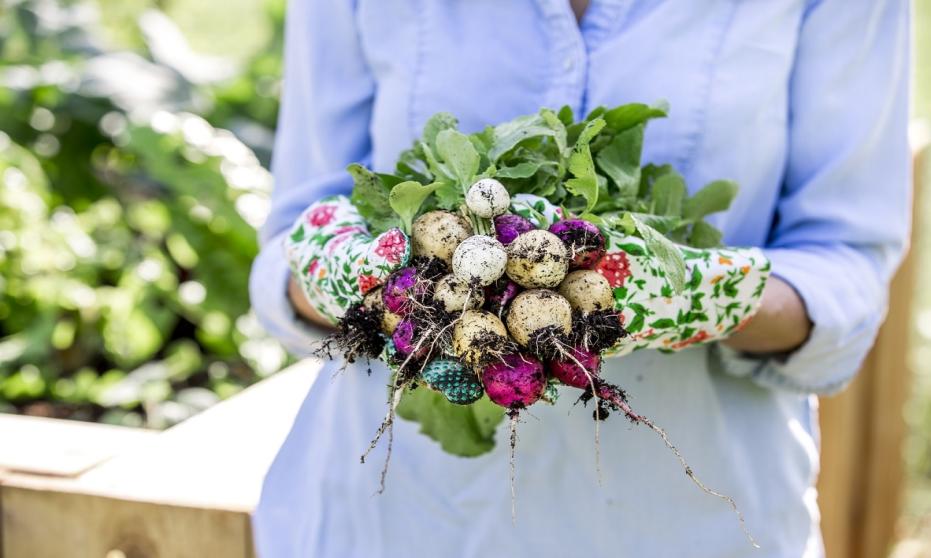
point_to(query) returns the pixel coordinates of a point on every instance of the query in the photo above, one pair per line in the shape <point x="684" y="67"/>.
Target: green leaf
<point x="668" y="194"/>
<point x="413" y="166"/>
<point x="649" y="174"/>
<point x="594" y="219"/>
<point x="459" y="155"/>
<point x="406" y="198"/>
<point x="463" y="430"/>
<point x="509" y="134"/>
<point x="520" y="170"/>
<point x="627" y="116"/>
<point x="620" y="160"/>
<point x="565" y="115"/>
<point x="666" y="253"/>
<point x="559" y="130"/>
<point x="662" y="223"/>
<point x="370" y="196"/>
<point x="436" y="124"/>
<point x="584" y="182"/>
<point x="704" y="235"/>
<point x="713" y="197"/>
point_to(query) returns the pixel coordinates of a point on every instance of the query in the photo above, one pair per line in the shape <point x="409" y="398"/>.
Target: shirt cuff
<point x="268" y="291"/>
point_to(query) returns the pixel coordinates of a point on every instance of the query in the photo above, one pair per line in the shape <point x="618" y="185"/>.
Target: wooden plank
<point x="216" y="459"/>
<point x="41" y="523"/>
<point x="62" y="448"/>
<point x="860" y="488"/>
<point x="188" y="491"/>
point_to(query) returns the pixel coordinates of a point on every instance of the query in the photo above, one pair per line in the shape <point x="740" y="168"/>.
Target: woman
<point x="803" y="103"/>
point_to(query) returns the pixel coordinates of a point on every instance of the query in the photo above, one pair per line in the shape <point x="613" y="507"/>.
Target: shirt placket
<point x="568" y="62"/>
<point x="571" y="45"/>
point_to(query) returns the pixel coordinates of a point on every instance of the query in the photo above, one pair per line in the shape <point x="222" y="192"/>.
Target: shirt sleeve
<point x="842" y="218"/>
<point x="323" y="126"/>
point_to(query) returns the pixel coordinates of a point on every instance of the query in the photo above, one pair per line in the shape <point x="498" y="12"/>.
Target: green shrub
<point x="127" y="222"/>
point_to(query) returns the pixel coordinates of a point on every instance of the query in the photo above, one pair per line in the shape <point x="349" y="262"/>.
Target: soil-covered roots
<point x="435" y="338"/>
<point x="358" y="337"/>
<point x="610" y="397"/>
<point x="597" y="331"/>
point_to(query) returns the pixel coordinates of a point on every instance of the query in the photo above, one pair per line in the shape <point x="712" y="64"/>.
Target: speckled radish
<point x="436" y="234"/>
<point x="587" y="291"/>
<point x="537" y="259"/>
<point x="479" y="260"/>
<point x="477" y="336"/>
<point x="456" y="295"/>
<point x="536" y="310"/>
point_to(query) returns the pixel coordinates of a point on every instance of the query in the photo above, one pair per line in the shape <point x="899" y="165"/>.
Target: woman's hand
<point x="335" y="261"/>
<point x="781" y="325"/>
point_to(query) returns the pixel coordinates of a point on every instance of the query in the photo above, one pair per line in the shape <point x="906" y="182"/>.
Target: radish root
<point x="617" y="398"/>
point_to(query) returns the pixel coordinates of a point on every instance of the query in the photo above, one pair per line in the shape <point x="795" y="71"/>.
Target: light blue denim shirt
<point x="804" y="103"/>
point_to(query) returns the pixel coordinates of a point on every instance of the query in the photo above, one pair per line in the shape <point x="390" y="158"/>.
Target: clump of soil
<point x="359" y="336"/>
<point x="428" y="268"/>
<point x="597" y="331"/>
<point x="549" y="343"/>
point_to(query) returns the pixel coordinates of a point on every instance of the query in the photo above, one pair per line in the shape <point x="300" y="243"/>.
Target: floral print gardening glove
<point x="336" y="260"/>
<point x="722" y="291"/>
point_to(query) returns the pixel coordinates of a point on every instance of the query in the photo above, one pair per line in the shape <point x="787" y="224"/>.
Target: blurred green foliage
<point x="131" y="183"/>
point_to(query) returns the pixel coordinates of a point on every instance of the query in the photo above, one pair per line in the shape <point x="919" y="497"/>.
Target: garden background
<point x="125" y="242"/>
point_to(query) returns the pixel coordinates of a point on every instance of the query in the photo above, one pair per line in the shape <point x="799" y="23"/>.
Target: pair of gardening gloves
<point x="336" y="261"/>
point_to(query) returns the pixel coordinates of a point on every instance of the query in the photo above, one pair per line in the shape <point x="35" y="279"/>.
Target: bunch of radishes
<point x="501" y="313"/>
<point x="495" y="306"/>
<point x="507" y="314"/>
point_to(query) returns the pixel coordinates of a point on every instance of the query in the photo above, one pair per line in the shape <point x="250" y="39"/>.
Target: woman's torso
<point x="724" y="67"/>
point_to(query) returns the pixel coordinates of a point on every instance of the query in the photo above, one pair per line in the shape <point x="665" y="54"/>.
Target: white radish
<point x="487" y="198"/>
<point x="479" y="260"/>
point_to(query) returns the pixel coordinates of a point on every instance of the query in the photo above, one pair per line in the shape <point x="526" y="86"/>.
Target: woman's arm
<point x="323" y="125"/>
<point x="841" y="220"/>
<point x="781" y="325"/>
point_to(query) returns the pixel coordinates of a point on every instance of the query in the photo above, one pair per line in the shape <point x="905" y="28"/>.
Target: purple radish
<point x="515" y="381"/>
<point x="499" y="294"/>
<point x="567" y="370"/>
<point x="406" y="337"/>
<point x="509" y="226"/>
<point x="400" y="289"/>
<point x="585" y="242"/>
